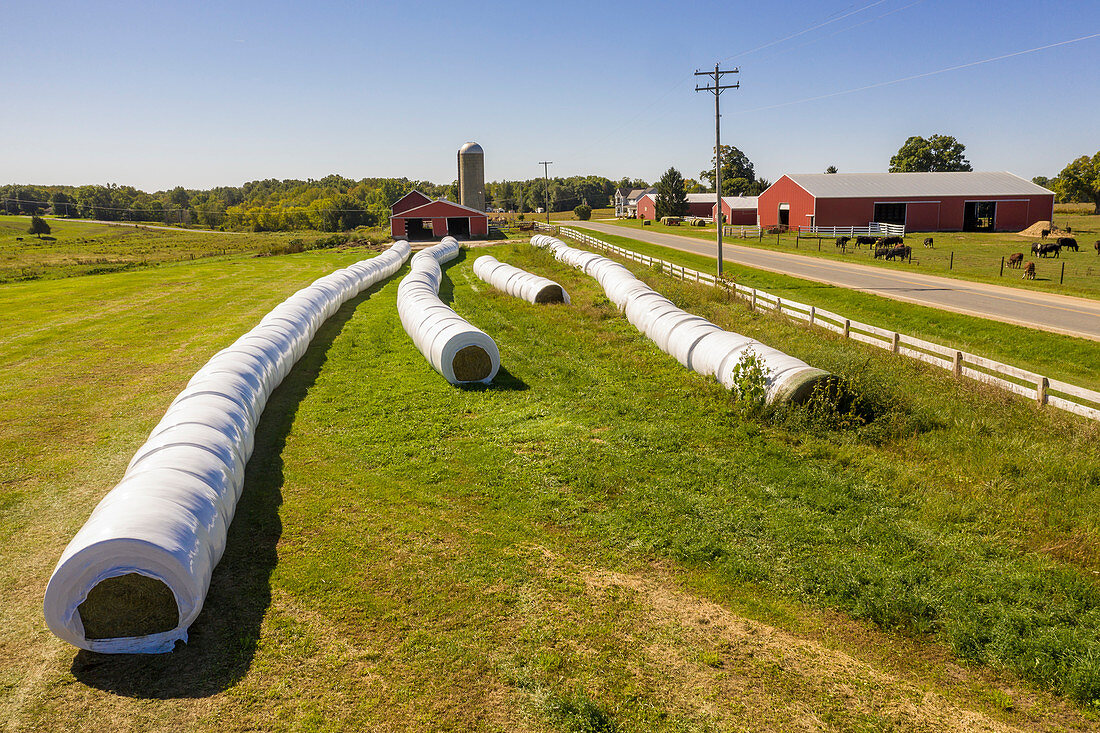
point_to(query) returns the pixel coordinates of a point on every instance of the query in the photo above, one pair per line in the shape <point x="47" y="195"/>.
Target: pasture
<point x="599" y="541"/>
<point x="965" y="255"/>
<point x="82" y="248"/>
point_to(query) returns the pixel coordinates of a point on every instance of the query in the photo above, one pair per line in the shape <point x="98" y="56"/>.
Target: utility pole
<point x="546" y="186"/>
<point x="717" y="89"/>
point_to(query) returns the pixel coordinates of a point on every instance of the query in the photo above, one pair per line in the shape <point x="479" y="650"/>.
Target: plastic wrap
<point x="694" y="341"/>
<point x="462" y="353"/>
<point x="519" y="283"/>
<point x="143" y="560"/>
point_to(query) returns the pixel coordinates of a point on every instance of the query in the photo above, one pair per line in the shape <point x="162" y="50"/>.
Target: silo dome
<point x="471" y="176"/>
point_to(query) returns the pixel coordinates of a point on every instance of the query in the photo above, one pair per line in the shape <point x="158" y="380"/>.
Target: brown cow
<point x="1016" y="260"/>
<point x="1097" y="245"/>
<point x="1029" y="271"/>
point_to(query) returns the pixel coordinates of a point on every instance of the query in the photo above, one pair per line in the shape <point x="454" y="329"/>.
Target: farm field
<point x="963" y="255"/>
<point x="82" y="248"/>
<point x="1075" y="360"/>
<point x="599" y="541"/>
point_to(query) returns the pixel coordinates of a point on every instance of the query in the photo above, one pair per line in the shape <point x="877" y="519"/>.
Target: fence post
<point x="1062" y="277"/>
<point x="957" y="366"/>
<point x="752" y="307"/>
<point x="813" y="312"/>
<point x="951" y="264"/>
<point x="1002" y="267"/>
<point x="779" y="305"/>
<point x="896" y="343"/>
<point x="847" y="328"/>
<point x="1041" y="390"/>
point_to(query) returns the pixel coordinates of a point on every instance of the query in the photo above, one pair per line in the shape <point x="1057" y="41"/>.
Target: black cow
<point x="899" y="252"/>
<point x="1049" y="248"/>
<point x="1068" y="243"/>
<point x="865" y="240"/>
<point x="929" y="243"/>
<point x="1035" y="247"/>
<point x="891" y="241"/>
<point x="1044" y="233"/>
<point x="881" y="252"/>
<point x="842" y="242"/>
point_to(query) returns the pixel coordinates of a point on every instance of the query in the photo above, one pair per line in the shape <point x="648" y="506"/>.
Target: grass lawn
<point x="963" y="255"/>
<point x="599" y="541"/>
<point x="81" y="248"/>
<point x="1073" y="360"/>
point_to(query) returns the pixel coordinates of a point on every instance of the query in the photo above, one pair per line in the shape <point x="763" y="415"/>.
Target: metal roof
<point x="471" y="147"/>
<point x="861" y="185"/>
<point x="701" y="198"/>
<point x="740" y="202"/>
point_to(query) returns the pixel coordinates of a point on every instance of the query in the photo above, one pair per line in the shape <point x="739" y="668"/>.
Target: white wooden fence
<point x="1043" y="390"/>
<point x="873" y="229"/>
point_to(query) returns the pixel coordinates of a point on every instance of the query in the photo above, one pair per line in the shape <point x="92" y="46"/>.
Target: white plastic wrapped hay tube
<point x="519" y="283"/>
<point x="135" y="576"/>
<point x="694" y="341"/>
<point x="462" y="353"/>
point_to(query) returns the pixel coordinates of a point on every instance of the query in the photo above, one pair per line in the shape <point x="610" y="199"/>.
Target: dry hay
<point x="128" y="605"/>
<point x="550" y="294"/>
<point x="471" y="364"/>
<point x="1036" y="230"/>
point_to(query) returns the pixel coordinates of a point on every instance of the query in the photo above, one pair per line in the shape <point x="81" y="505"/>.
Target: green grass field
<point x="1074" y="360"/>
<point x="82" y="248"/>
<point x="599" y="541"/>
<point x="964" y="255"/>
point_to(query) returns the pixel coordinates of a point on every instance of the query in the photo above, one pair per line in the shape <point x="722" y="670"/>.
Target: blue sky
<point x="205" y="94"/>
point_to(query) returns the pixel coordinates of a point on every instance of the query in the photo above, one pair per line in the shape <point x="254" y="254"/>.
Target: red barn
<point x="699" y="204"/>
<point x="738" y="210"/>
<point x="923" y="202"/>
<point x="415" y="216"/>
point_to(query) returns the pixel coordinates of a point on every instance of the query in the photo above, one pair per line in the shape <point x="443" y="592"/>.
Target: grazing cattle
<point x="1097" y="245"/>
<point x="1035" y="246"/>
<point x="1044" y="233"/>
<point x="1069" y="230"/>
<point x="865" y="240"/>
<point x="1015" y="260"/>
<point x="1029" y="271"/>
<point x="881" y="252"/>
<point x="899" y="252"/>
<point x="891" y="241"/>
<point x="1068" y="243"/>
<point x="842" y="242"/>
<point x="1048" y="248"/>
<point x="929" y="243"/>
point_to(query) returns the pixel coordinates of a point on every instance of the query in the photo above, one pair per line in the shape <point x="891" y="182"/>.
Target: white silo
<point x="471" y="176"/>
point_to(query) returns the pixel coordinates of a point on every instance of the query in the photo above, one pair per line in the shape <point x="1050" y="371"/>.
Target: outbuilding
<point x="698" y="204"/>
<point x="415" y="216"/>
<point x="922" y="202"/>
<point x="737" y="210"/>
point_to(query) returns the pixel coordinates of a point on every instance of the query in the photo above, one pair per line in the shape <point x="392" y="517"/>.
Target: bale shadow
<point x="223" y="640"/>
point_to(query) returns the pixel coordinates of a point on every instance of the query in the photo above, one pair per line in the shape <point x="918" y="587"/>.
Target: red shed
<point x="415" y="216"/>
<point x="923" y="202"/>
<point x="738" y="210"/>
<point x="699" y="204"/>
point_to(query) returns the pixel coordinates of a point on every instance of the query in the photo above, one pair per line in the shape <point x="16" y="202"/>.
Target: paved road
<point x="1045" y="311"/>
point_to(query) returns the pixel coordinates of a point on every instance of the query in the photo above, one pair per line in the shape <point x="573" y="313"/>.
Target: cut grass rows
<point x="599" y="539"/>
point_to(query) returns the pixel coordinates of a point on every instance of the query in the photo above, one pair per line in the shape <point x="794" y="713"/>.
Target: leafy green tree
<point x="583" y="212"/>
<point x="737" y="172"/>
<point x="38" y="226"/>
<point x="1080" y="181"/>
<point x="757" y="187"/>
<point x="831" y="169"/>
<point x="936" y="154"/>
<point x="671" y="197"/>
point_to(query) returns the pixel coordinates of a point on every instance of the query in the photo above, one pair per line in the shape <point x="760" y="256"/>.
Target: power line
<point x="805" y="30"/>
<point x="716" y="89"/>
<point x="922" y="75"/>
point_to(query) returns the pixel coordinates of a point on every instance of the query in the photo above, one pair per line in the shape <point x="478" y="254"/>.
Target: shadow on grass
<point x="222" y="642"/>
